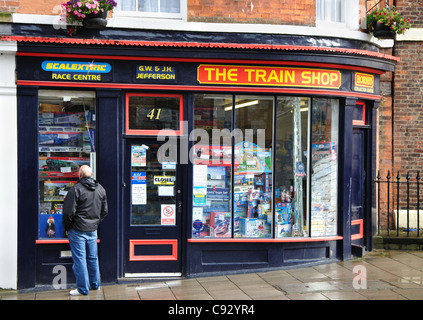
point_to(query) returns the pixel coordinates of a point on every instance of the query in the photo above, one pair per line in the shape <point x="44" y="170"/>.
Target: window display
<point x="253" y="167"/>
<point x="292" y="122"/>
<point x="251" y="203"/>
<point x="324" y="179"/>
<point x="234" y="184"/>
<point x="66" y="140"/>
<point x="212" y="159"/>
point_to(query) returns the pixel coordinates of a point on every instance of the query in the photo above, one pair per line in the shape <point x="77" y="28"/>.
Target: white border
<point x="413" y="34"/>
<point x="9" y="165"/>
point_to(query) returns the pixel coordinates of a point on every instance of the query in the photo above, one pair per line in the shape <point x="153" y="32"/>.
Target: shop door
<point x="358" y="187"/>
<point x="152" y="218"/>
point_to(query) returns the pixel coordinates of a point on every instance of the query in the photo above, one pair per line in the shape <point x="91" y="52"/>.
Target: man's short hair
<point x="85" y="172"/>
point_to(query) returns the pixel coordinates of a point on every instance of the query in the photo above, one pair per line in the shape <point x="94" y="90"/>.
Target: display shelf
<point x="269" y="240"/>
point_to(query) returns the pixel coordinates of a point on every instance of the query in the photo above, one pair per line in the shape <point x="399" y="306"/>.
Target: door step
<point x="153" y="275"/>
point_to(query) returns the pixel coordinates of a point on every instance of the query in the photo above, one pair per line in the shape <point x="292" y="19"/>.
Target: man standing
<point x="84" y="207"/>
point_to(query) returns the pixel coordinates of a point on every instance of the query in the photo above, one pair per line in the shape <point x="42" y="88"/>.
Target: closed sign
<point x="164" y="180"/>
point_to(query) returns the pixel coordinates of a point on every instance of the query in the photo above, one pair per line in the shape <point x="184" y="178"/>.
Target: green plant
<point x="390" y="17"/>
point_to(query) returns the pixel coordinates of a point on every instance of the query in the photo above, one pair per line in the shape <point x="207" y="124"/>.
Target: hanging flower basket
<point x="92" y="14"/>
<point x="95" y="20"/>
<point x="382" y="31"/>
<point x="386" y="23"/>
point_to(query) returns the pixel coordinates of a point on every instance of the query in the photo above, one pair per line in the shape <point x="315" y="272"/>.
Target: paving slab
<point x="379" y="275"/>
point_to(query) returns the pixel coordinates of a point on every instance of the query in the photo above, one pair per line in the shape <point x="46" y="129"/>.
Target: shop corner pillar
<point x="8" y="162"/>
<point x="346" y="153"/>
<point x="108" y="169"/>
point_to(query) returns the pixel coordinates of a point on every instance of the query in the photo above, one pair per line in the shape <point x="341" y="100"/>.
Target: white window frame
<point x="349" y="16"/>
<point x="328" y="10"/>
<point x="158" y="15"/>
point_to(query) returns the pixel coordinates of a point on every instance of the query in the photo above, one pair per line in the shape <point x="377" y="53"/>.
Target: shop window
<point x="292" y="123"/>
<point x="330" y="10"/>
<point x="154" y="114"/>
<point x="212" y="159"/>
<point x="324" y="167"/>
<point x="359" y="113"/>
<point x="253" y="164"/>
<point x="66" y="140"/>
<point x="260" y="182"/>
<point x="153" y="8"/>
<point x="251" y="141"/>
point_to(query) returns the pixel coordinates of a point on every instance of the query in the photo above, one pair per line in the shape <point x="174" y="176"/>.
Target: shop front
<point x="216" y="157"/>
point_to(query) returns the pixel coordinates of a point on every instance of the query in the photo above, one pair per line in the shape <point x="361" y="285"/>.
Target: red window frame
<point x="361" y="122"/>
<point x="149" y="132"/>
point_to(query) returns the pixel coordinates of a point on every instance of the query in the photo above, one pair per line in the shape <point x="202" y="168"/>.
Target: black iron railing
<point x="395" y="194"/>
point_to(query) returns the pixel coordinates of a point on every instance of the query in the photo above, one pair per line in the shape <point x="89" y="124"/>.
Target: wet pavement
<point x="379" y="275"/>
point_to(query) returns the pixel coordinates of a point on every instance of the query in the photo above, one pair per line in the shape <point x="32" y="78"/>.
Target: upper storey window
<point x="341" y="13"/>
<point x="153" y="8"/>
<point x="330" y="10"/>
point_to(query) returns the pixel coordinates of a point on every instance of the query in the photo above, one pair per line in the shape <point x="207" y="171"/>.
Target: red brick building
<point x="400" y="145"/>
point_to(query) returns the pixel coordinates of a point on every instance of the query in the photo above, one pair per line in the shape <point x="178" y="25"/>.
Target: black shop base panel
<point x="210" y="259"/>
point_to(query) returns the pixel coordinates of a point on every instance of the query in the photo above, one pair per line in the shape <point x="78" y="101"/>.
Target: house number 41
<point x="154" y="114"/>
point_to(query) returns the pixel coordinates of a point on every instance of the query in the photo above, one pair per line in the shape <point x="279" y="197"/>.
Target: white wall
<point x="8" y="167"/>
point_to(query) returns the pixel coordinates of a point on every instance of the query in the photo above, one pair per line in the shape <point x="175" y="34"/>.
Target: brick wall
<point x="301" y="12"/>
<point x="408" y="107"/>
<point x="408" y="95"/>
<point x="293" y="12"/>
<point x="30" y="6"/>
<point x="401" y="117"/>
<point x="39" y="6"/>
<point x="385" y="143"/>
<point x="412" y="9"/>
<point x="385" y="130"/>
<point x="9" y="5"/>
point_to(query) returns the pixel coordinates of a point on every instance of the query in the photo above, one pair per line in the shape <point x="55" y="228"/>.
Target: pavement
<point x="378" y="275"/>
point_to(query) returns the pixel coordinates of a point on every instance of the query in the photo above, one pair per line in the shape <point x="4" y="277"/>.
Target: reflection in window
<point x="153" y="184"/>
<point x="324" y="157"/>
<point x="359" y="113"/>
<point x="212" y="159"/>
<point x="292" y="118"/>
<point x="330" y="10"/>
<point x="157" y="6"/>
<point x="153" y="112"/>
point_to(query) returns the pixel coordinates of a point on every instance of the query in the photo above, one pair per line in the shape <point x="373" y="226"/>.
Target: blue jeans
<point x="85" y="260"/>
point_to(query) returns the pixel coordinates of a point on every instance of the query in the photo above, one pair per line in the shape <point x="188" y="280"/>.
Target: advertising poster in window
<point x="138" y="156"/>
<point x="199" y="196"/>
<point x="139" y="188"/>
